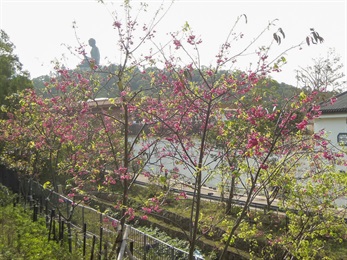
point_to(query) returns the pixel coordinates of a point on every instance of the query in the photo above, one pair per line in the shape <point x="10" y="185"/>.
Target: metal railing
<point x="95" y="225"/>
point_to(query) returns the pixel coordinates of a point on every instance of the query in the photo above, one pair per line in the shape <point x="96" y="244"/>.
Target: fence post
<point x="69" y="236"/>
<point x="54" y="230"/>
<point x="30" y="193"/>
<point x="82" y="214"/>
<point x="25" y="195"/>
<point x="84" y="238"/>
<point x="62" y="231"/>
<point x="132" y="247"/>
<point x="50" y="224"/>
<point x="100" y="245"/>
<point x="144" y="247"/>
<point x="46" y="212"/>
<point x="41" y="203"/>
<point x="35" y="212"/>
<point x="59" y="227"/>
<point x="92" y="250"/>
<point x="67" y="209"/>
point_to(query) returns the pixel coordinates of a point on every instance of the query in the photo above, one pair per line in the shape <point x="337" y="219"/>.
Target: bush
<point x="6" y="196"/>
<point x="20" y="238"/>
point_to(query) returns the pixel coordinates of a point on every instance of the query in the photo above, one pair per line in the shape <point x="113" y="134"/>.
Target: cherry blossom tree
<point x="122" y="133"/>
<point x="68" y="130"/>
<point x="263" y="144"/>
<point x="41" y="133"/>
<point x="196" y="122"/>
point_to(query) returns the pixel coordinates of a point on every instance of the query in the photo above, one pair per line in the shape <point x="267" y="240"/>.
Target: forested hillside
<point x="141" y="80"/>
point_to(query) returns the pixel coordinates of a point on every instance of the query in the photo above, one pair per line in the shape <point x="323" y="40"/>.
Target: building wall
<point x="333" y="124"/>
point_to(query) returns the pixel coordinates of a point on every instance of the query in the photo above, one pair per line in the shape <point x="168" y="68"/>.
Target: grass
<point x="22" y="239"/>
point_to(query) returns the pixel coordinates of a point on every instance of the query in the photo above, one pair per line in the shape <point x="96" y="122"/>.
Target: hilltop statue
<point x="94" y="58"/>
<point x="94" y="53"/>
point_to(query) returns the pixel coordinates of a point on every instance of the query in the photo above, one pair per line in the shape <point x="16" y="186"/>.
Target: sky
<point x="42" y="30"/>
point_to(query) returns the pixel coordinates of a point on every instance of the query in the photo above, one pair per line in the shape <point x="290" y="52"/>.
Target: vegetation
<point x="324" y="74"/>
<point x="12" y="78"/>
<point x="21" y="238"/>
<point x="194" y="124"/>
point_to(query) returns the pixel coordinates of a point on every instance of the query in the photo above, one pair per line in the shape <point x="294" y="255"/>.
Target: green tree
<point x="12" y="77"/>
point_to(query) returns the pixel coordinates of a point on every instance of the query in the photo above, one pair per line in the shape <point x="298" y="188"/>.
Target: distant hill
<point x="270" y="90"/>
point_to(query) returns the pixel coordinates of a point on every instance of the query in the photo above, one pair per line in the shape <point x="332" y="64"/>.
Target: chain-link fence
<point x="95" y="232"/>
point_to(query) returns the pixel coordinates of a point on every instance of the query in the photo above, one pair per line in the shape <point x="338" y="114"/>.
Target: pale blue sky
<point x="40" y="29"/>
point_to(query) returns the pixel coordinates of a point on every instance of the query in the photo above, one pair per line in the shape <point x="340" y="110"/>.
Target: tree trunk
<point x="231" y="196"/>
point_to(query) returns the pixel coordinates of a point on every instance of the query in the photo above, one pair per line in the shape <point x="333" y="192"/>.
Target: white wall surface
<point x="332" y="124"/>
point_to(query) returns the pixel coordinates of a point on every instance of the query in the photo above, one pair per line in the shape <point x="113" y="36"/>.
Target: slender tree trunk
<point x="126" y="165"/>
<point x="197" y="192"/>
<point x="120" y="234"/>
<point x="237" y="224"/>
<point x="231" y="196"/>
<point x="52" y="172"/>
<point x="194" y="228"/>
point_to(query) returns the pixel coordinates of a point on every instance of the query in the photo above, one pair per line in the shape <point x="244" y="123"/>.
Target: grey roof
<point x="339" y="106"/>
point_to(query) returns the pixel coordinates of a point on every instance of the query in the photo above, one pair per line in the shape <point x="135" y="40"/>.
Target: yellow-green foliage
<point x="21" y="238"/>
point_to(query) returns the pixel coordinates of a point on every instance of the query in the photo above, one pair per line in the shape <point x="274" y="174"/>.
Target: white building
<point x="334" y="120"/>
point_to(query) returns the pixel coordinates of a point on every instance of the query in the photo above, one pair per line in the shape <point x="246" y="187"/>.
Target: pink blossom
<point x="252" y="142"/>
<point x="147" y="210"/>
<point x="325" y="143"/>
<point x="183" y="194"/>
<point x="177" y="127"/>
<point x="327" y="155"/>
<point x="125" y="177"/>
<point x="177" y="44"/>
<point x="144" y="217"/>
<point x="191" y="39"/>
<point x="271" y="116"/>
<point x="117" y="24"/>
<point x="293" y="117"/>
<point x="333" y="100"/>
<point x="315" y="108"/>
<point x="156" y="208"/>
<point x="264" y="166"/>
<point x="147" y="174"/>
<point x="123" y="170"/>
<point x="302" y="125"/>
<point x="114" y="223"/>
<point x="209" y="73"/>
<point x="131" y="214"/>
